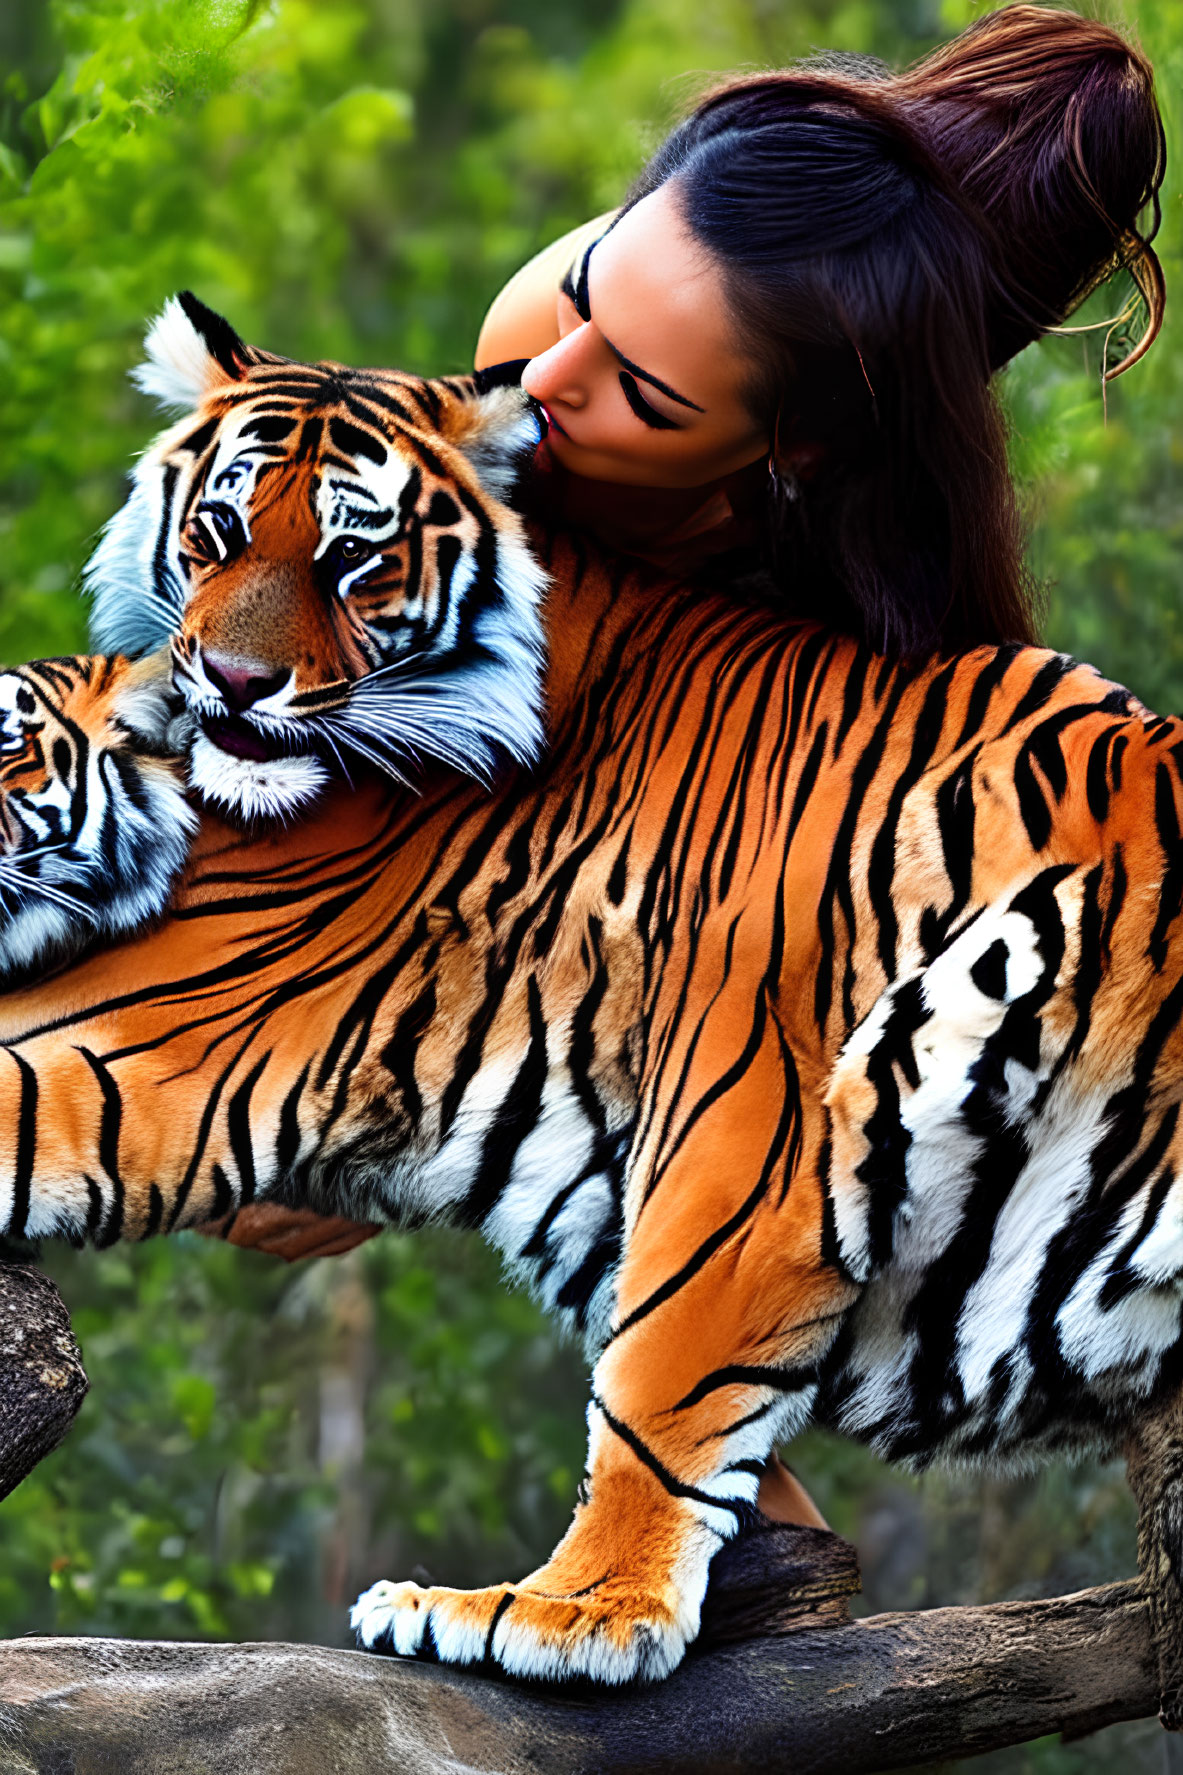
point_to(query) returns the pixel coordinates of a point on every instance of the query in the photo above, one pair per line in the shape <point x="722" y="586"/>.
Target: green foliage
<point x="355" y="179"/>
<point x="256" y="1437"/>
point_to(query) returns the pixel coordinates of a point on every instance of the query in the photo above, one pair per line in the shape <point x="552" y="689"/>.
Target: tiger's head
<point x="329" y="552"/>
<point x="94" y="822"/>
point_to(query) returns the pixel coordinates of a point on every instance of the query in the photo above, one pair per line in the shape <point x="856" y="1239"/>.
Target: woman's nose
<point x="558" y="374"/>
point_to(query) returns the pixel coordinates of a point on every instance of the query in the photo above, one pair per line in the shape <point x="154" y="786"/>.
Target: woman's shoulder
<point x="522" y="321"/>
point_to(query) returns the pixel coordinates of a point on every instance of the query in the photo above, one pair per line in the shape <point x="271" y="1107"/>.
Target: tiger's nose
<point x="241" y="682"/>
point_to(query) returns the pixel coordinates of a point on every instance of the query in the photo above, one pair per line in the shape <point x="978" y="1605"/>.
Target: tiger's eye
<point x="346" y="559"/>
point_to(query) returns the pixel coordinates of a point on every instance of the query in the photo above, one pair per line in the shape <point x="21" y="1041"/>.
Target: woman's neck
<point x="628" y="516"/>
<point x="643" y="511"/>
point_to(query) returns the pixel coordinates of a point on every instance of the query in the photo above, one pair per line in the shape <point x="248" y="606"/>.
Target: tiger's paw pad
<point x="525" y="1632"/>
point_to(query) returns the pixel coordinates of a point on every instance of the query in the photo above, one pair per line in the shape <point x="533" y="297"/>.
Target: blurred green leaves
<point x="260" y="1442"/>
<point x="235" y="148"/>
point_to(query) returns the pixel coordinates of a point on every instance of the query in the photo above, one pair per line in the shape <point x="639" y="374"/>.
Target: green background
<point x="355" y="179"/>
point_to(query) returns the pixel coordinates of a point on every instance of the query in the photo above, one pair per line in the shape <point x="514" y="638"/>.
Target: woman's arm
<point x="522" y="321"/>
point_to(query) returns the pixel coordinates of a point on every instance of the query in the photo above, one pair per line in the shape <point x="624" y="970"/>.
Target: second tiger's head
<point x="331" y="556"/>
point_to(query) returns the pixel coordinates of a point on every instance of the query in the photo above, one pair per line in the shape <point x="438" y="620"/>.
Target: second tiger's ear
<point x="192" y="352"/>
<point x="496" y="425"/>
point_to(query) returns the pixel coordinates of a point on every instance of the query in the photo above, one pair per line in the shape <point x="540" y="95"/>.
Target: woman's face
<point x="644" y="385"/>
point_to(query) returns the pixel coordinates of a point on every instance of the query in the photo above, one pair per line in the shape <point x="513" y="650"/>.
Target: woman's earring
<point x="780" y="486"/>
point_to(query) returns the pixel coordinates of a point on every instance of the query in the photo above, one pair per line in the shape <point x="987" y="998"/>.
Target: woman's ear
<point x="801" y="462"/>
<point x="795" y="454"/>
<point x="796" y="463"/>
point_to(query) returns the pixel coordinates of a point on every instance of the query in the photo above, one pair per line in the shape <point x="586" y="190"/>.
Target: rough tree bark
<point x="42" y="1380"/>
<point x="1154" y="1462"/>
<point x="881" y="1694"/>
<point x="782" y="1678"/>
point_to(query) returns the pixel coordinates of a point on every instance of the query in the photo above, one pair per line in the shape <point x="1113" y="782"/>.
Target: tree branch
<point x="1154" y="1463"/>
<point x="781" y="1676"/>
<point x="42" y="1380"/>
<point x="869" y="1695"/>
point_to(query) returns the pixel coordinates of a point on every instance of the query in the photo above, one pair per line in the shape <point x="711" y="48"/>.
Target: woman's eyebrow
<point x="654" y="381"/>
<point x="581" y="296"/>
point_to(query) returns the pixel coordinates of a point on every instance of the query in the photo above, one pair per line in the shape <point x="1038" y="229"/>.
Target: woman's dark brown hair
<point x="1049" y="125"/>
<point x="887" y="242"/>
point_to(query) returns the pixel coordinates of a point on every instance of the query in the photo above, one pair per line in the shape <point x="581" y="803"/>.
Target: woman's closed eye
<point x="645" y="413"/>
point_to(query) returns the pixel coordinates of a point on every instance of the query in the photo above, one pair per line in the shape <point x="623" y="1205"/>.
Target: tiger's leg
<point x="727" y="1302"/>
<point x="94" y="824"/>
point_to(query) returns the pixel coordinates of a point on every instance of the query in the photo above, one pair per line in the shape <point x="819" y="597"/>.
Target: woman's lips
<point x="554" y="424"/>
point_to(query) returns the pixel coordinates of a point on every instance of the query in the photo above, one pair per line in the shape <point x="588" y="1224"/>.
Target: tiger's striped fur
<point x="804" y="1029"/>
<point x="94" y="825"/>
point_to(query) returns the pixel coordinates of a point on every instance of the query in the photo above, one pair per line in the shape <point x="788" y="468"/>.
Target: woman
<point x="773" y="364"/>
<point x="816" y="275"/>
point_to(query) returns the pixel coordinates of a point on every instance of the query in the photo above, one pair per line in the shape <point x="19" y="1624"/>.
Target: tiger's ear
<point x="497" y="426"/>
<point x="192" y="352"/>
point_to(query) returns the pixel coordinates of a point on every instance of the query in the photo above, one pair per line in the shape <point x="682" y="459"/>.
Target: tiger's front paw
<point x="601" y="1633"/>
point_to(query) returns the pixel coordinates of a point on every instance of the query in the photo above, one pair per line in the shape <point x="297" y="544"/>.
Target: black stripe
<point x="690" y="1269"/>
<point x="1170" y="893"/>
<point x="94" y="1213"/>
<point x="161" y="573"/>
<point x="516" y="1117"/>
<point x="205" y="1128"/>
<point x="26" y="1148"/>
<point x="289" y="1140"/>
<point x="400" y="1053"/>
<point x="647" y="1458"/>
<point x="110" y="1124"/>
<point x="1097" y="775"/>
<point x="238" y="1127"/>
<point x="750" y="1417"/>
<point x="739" y="1374"/>
<point x="1038" y="692"/>
<point x="988" y="679"/>
<point x="155" y="1212"/>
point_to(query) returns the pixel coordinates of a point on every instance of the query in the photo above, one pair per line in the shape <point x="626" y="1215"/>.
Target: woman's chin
<point x="616" y="471"/>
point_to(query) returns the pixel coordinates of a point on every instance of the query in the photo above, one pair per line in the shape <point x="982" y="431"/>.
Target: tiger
<point x="95" y="823"/>
<point x="802" y="1026"/>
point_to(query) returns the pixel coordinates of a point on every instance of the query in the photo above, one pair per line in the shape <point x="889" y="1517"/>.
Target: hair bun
<point x="1048" y="123"/>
